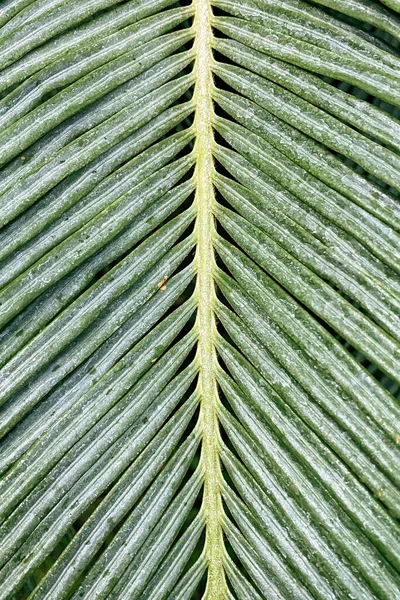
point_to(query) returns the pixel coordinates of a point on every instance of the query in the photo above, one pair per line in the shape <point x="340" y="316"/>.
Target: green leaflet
<point x="323" y="349"/>
<point x="351" y="109"/>
<point x="312" y="157"/>
<point x="369" y="12"/>
<point x="331" y="205"/>
<point x="124" y="332"/>
<point x="311" y="253"/>
<point x="310" y="57"/>
<point x="199" y="300"/>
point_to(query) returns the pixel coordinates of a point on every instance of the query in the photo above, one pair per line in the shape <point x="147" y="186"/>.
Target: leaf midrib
<point x="205" y="295"/>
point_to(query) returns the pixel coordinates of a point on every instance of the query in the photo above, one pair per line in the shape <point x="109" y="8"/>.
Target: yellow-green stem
<point x="204" y="200"/>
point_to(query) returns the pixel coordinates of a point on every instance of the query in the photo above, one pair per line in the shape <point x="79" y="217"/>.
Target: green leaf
<point x="199" y="300"/>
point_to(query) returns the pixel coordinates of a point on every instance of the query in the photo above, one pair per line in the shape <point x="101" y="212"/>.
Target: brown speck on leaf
<point x="22" y="157"/>
<point x="397" y="439"/>
<point x="161" y="285"/>
<point x="380" y="494"/>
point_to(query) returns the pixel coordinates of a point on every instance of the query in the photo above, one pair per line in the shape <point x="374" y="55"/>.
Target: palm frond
<point x="199" y="300"/>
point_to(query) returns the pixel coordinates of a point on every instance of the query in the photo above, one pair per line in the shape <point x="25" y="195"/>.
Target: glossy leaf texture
<point x="199" y="300"/>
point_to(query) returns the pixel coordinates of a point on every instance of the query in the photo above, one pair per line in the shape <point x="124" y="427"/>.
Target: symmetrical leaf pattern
<point x="199" y="299"/>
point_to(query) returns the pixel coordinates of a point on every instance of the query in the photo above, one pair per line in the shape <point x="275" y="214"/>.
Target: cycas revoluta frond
<point x="199" y="299"/>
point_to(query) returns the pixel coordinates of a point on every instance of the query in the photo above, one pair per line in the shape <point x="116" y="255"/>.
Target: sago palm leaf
<point x="199" y="299"/>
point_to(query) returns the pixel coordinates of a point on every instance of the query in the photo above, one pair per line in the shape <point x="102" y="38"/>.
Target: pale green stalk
<point x="205" y="230"/>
